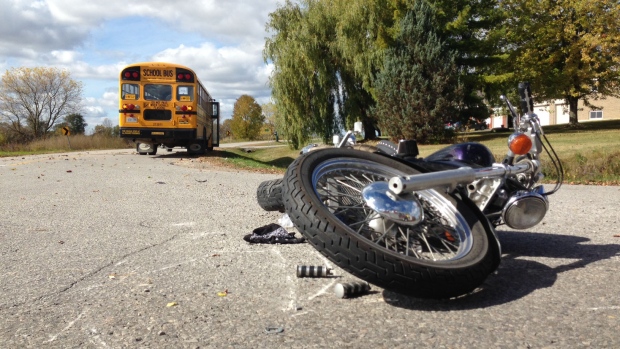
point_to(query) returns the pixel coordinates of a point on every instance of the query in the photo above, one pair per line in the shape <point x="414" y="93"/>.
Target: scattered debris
<point x="272" y="234"/>
<point x="313" y="271"/>
<point x="274" y="330"/>
<point x="223" y="293"/>
<point x="172" y="304"/>
<point x="352" y="289"/>
<point x="201" y="181"/>
<point x="285" y="221"/>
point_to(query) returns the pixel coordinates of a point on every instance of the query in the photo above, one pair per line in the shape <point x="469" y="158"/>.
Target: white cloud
<point x="221" y="40"/>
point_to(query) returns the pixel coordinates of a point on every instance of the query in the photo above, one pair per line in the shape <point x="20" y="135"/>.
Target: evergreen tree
<point x="418" y="90"/>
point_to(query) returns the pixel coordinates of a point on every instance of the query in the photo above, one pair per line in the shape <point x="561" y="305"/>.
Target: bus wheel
<point x="145" y="148"/>
<point x="153" y="149"/>
<point x="196" y="148"/>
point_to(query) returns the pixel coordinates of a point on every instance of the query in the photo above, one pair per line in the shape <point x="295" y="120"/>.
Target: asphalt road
<point x="110" y="249"/>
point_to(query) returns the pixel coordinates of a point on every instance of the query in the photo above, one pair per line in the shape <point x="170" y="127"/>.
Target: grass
<point x="62" y="144"/>
<point x="590" y="153"/>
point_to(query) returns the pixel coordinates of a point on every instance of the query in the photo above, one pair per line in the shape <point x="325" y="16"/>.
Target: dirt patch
<point x="221" y="164"/>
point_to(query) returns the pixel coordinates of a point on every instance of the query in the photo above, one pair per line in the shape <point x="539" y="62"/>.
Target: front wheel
<point x="448" y="254"/>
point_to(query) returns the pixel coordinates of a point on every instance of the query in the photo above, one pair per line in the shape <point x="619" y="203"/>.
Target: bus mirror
<point x="215" y="109"/>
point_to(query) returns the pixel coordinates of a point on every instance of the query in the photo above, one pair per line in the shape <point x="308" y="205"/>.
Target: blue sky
<point x="221" y="40"/>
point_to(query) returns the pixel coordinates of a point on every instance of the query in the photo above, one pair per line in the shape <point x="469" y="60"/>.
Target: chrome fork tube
<point x="451" y="178"/>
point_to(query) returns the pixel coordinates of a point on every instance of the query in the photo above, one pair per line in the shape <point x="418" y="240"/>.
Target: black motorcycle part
<point x="322" y="196"/>
<point x="269" y="195"/>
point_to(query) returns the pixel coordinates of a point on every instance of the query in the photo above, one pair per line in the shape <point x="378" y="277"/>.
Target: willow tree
<point x="567" y="49"/>
<point x="304" y="81"/>
<point x="34" y="100"/>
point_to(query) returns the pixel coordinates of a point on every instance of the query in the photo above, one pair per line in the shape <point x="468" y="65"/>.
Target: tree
<point x="270" y="113"/>
<point x="304" y="82"/>
<point x="327" y="54"/>
<point x="76" y="123"/>
<point x="33" y="100"/>
<point x="247" y="118"/>
<point x="418" y="90"/>
<point x="567" y="49"/>
<point x="226" y="129"/>
<point x="106" y="129"/>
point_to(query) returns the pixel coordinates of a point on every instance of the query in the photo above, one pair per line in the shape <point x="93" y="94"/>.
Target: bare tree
<point x="33" y="100"/>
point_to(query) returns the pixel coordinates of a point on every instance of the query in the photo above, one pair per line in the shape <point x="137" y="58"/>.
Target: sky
<point x="222" y="41"/>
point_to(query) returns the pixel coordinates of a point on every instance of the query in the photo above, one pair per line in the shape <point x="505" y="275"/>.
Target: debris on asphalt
<point x="272" y="234"/>
<point x="172" y="304"/>
<point x="313" y="271"/>
<point x="352" y="289"/>
<point x="274" y="330"/>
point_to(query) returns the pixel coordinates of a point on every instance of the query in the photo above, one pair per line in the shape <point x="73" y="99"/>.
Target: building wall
<point x="556" y="112"/>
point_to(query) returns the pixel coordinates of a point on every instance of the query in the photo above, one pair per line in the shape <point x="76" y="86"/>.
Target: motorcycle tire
<point x="269" y="195"/>
<point x="448" y="254"/>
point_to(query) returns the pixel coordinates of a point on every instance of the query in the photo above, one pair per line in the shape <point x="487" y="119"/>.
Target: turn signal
<point x="519" y="143"/>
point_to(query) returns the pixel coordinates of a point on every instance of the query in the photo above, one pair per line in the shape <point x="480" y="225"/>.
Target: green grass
<point x="590" y="154"/>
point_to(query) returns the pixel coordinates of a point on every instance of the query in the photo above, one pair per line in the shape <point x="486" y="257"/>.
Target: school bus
<point x="165" y="104"/>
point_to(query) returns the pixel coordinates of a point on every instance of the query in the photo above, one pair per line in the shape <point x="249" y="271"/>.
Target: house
<point x="556" y="112"/>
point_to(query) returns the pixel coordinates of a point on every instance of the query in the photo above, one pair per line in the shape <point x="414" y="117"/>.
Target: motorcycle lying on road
<point x="423" y="227"/>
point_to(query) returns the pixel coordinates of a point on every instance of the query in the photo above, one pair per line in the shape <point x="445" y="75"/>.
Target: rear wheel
<point x="450" y="253"/>
<point x="146" y="148"/>
<point x="269" y="195"/>
<point x="197" y="148"/>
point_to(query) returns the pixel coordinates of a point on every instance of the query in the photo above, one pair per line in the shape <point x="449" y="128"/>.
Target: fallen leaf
<point x="223" y="293"/>
<point x="69" y="171"/>
<point x="172" y="304"/>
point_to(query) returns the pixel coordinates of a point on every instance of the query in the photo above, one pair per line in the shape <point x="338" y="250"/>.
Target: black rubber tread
<point x="269" y="195"/>
<point x="373" y="263"/>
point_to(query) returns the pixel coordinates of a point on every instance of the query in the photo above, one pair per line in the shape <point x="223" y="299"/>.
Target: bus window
<point x="130" y="91"/>
<point x="157" y="92"/>
<point x="185" y="93"/>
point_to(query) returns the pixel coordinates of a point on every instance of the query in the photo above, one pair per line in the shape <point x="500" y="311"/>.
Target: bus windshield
<point x="157" y="92"/>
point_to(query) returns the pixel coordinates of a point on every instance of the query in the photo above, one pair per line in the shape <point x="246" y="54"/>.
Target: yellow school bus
<point x="165" y="104"/>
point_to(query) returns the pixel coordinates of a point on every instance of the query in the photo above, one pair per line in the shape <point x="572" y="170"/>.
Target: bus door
<point x="215" y="119"/>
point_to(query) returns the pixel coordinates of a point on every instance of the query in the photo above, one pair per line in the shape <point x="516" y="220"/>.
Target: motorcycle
<point x="423" y="227"/>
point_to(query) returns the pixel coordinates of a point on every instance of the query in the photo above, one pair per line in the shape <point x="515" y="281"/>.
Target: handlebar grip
<point x="527" y="103"/>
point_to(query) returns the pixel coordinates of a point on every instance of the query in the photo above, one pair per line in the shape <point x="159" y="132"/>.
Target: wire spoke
<point x="436" y="238"/>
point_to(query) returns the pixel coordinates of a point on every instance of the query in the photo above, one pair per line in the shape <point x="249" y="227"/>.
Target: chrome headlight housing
<point x="525" y="209"/>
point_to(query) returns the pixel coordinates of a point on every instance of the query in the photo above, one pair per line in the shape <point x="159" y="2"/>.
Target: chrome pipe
<point x="451" y="178"/>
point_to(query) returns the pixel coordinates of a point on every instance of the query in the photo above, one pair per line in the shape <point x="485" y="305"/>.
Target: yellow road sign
<point x="65" y="131"/>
